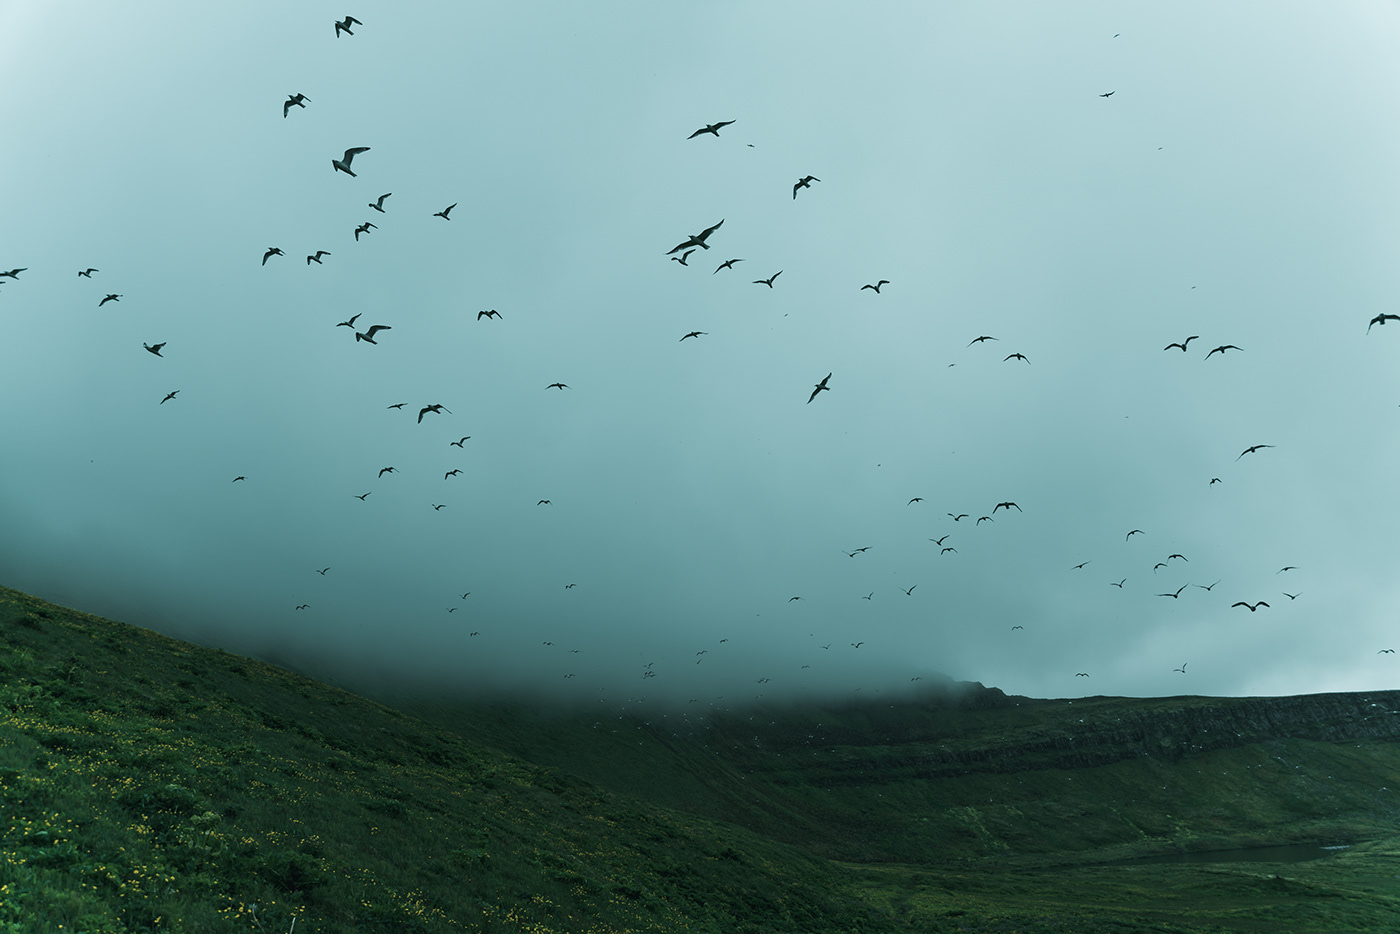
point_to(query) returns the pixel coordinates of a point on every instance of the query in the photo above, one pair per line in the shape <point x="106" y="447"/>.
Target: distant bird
<point x="1109" y="94"/>
<point x="294" y="100"/>
<point x="323" y="571"/>
<point x="1080" y="565"/>
<point x="1007" y="506"/>
<point x="1081" y="674"/>
<point x="344" y="26"/>
<point x="544" y="502"/>
<point x="343" y="163"/>
<point x="1174" y="595"/>
<point x="236" y="479"/>
<point x="1182" y="557"/>
<point x="493" y="313"/>
<point x="805" y="182"/>
<point x="1251" y="608"/>
<point x="1182" y="669"/>
<point x="697" y="240"/>
<point x="961" y="515"/>
<point x="910" y="591"/>
<point x="466" y="595"/>
<point x="396" y="405"/>
<point x="1119" y="585"/>
<point x="1215" y="480"/>
<point x="1386" y="652"/>
<point x="1014" y="628"/>
<point x="1222" y="348"/>
<point x="304" y="606"/>
<point x="948" y="548"/>
<point x="378" y="204"/>
<point x="939" y="541"/>
<point x="695" y="334"/>
<point x="1381" y="320"/>
<point x="978" y="340"/>
<point x="1204" y="587"/>
<point x="1291" y="567"/>
<point x="384" y="470"/>
<point x="875" y="287"/>
<point x="1183" y="344"/>
<point x="14" y="273"/>
<point x="1134" y="532"/>
<point x="557" y="386"/>
<point x="436" y="409"/>
<point x="366" y="227"/>
<point x="570" y="586"/>
<point x="437" y="507"/>
<point x="1252" y="448"/>
<point x="917" y="499"/>
<point x="87" y="273"/>
<point x="981" y="519"/>
<point x="820" y="386"/>
<point x="769" y="281"/>
<point x="1159" y="564"/>
<point x="272" y="251"/>
<point x="445" y="211"/>
<point x="169" y="396"/>
<point x="683" y="257"/>
<point x="1291" y="596"/>
<point x="713" y="129"/>
<point x="790" y="599"/>
<point x="154" y="348"/>
<point x="856" y="645"/>
<point x="869" y="596"/>
<point x="727" y="264"/>
<point x="459" y="443"/>
<point x="351" y="324"/>
<point x="368" y="336"/>
<point x="1015" y="356"/>
<point x="360" y="497"/>
<point x="316" y="257"/>
<point x="452" y="473"/>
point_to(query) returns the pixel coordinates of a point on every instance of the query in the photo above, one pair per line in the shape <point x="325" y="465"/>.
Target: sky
<point x="1084" y="183"/>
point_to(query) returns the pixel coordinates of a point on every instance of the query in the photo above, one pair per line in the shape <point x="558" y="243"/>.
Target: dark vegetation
<point x="151" y="785"/>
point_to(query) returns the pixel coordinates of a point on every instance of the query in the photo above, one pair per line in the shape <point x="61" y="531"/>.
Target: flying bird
<point x="1183" y="344"/>
<point x="87" y="273"/>
<point x="727" y="264"/>
<point x="1182" y="557"/>
<point x="768" y="282"/>
<point x="396" y="405"/>
<point x="1182" y="669"/>
<point x="384" y="470"/>
<point x="939" y="541"/>
<point x="910" y="591"/>
<point x="917" y="499"/>
<point x="875" y="288"/>
<point x="236" y="479"/>
<point x="459" y="443"/>
<point x="343" y="163"/>
<point x="351" y="324"/>
<point x="948" y="548"/>
<point x="544" y="502"/>
<point x="168" y="397"/>
<point x="361" y="496"/>
<point x="1291" y="596"/>
<point x="1134" y="532"/>
<point x="1204" y="587"/>
<point x="368" y="336"/>
<point x="683" y="257"/>
<point x="1007" y="506"/>
<point x="961" y="515"/>
<point x="1248" y="606"/>
<point x="1119" y="585"/>
<point x="436" y="409"/>
<point x="294" y="100"/>
<point x="14" y="273"/>
<point x="1386" y="652"/>
<point x="1215" y="480"/>
<point x="820" y="386"/>
<point x="344" y="26"/>
<point x="445" y="211"/>
<point x="805" y="182"/>
<point x="695" y="334"/>
<point x="1381" y="320"/>
<point x="323" y="571"/>
<point x="437" y="507"/>
<point x="493" y="313"/>
<point x="1015" y="356"/>
<point x="981" y="519"/>
<point x="697" y="240"/>
<point x="557" y="386"/>
<point x="1291" y="567"/>
<point x="451" y="473"/>
<point x="272" y="251"/>
<point x="984" y="337"/>
<point x="378" y="204"/>
<point x="316" y="257"/>
<point x="713" y="129"/>
<point x="1109" y="94"/>
<point x="1222" y="348"/>
<point x="1081" y="564"/>
<point x="1173" y="595"/>
<point x="154" y="348"/>
<point x="364" y="228"/>
<point x="1252" y="448"/>
<point x="1081" y="674"/>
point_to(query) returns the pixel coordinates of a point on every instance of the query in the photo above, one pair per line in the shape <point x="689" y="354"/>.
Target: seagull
<point x="727" y="264"/>
<point x="304" y="606"/>
<point x="856" y="645"/>
<point x="1119" y="585"/>
<point x="1172" y="595"/>
<point x="768" y="282"/>
<point x="939" y="541"/>
<point x="697" y="240"/>
<point x="351" y="324"/>
<point x="790" y="599"/>
<point x="493" y="313"/>
<point x="917" y="499"/>
<point x="323" y="571"/>
<point x="910" y="591"/>
<point x="1109" y="94"/>
<point x="820" y="386"/>
<point x="981" y="519"/>
<point x="384" y="470"/>
<point x="344" y="26"/>
<point x="154" y="348"/>
<point x="1222" y="348"/>
<point x="1015" y="356"/>
<point x="168" y="397"/>
<point x="869" y="596"/>
<point x="316" y="257"/>
<point x="1182" y="557"/>
<point x="1251" y="608"/>
<point x="294" y="100"/>
<point x="1291" y="567"/>
<point x="459" y="443"/>
<point x="1386" y="652"/>
<point x="984" y="337"/>
<point x="364" y="228"/>
<point x="445" y="211"/>
<point x="1381" y="320"/>
<point x="1159" y="564"/>
<point x="875" y="287"/>
<point x="236" y="479"/>
<point x="1252" y="448"/>
<point x="805" y="182"/>
<point x="1081" y="564"/>
<point x="683" y="257"/>
<point x="361" y="497"/>
<point x="713" y="129"/>
<point x="695" y="334"/>
<point x="451" y="473"/>
<point x="1081" y="674"/>
<point x="948" y="548"/>
<point x="14" y="273"/>
<point x="1204" y="587"/>
<point x="1183" y="344"/>
<point x="557" y="386"/>
<point x="1007" y="506"/>
<point x="396" y="405"/>
<point x="961" y="515"/>
<point x="436" y="409"/>
<point x="343" y="163"/>
<point x="1215" y="480"/>
<point x="272" y="251"/>
<point x="437" y="507"/>
<point x="87" y="273"/>
<point x="544" y="502"/>
<point x="1182" y="669"/>
<point x="368" y="336"/>
<point x="1014" y="628"/>
<point x="1134" y="532"/>
<point x="1291" y="596"/>
<point x="378" y="205"/>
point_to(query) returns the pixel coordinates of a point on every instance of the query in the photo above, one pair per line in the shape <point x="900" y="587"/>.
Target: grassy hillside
<point x="151" y="785"/>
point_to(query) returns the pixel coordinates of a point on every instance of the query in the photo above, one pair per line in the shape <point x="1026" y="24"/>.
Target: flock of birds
<point x="681" y="253"/>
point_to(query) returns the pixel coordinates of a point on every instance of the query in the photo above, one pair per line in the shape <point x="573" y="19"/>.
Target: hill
<point x="148" y="784"/>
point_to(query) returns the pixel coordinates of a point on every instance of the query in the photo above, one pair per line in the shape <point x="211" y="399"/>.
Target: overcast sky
<point x="1238" y="184"/>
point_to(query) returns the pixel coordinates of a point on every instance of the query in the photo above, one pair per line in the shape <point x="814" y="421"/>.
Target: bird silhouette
<point x="1291" y="596"/>
<point x="727" y="264"/>
<point x="769" y="281"/>
<point x="343" y="163"/>
<point x="984" y="337"/>
<point x="804" y="182"/>
<point x="1182" y="557"/>
<point x="697" y="240"/>
<point x="316" y="257"/>
<point x="452" y="473"/>
<point x="1081" y="674"/>
<point x="344" y="26"/>
<point x="1014" y="628"/>
<point x="1108" y="94"/>
<point x="981" y="519"/>
<point x="1252" y="448"/>
<point x="436" y="409"/>
<point x="384" y="470"/>
<point x="939" y="541"/>
<point x="1204" y="587"/>
<point x="683" y="257"/>
<point x="154" y="348"/>
<point x="910" y="591"/>
<point x="1222" y="348"/>
<point x="557" y="386"/>
<point x="1183" y="344"/>
<point x="1381" y="320"/>
<point x="360" y="496"/>
<point x="820" y="386"/>
<point x="14" y="273"/>
<point x="1250" y="607"/>
<point x="875" y="288"/>
<point x="378" y="204"/>
<point x="959" y="516"/>
<point x="948" y="548"/>
<point x="493" y="313"/>
<point x="917" y="499"/>
<point x="169" y="396"/>
<point x="272" y="251"/>
<point x="1079" y="565"/>
<point x="1007" y="506"/>
<point x="1119" y="585"/>
<point x="294" y="100"/>
<point x="1182" y="669"/>
<point x="1386" y="652"/>
<point x="713" y="129"/>
<point x="695" y="334"/>
<point x="1291" y="567"/>
<point x="236" y="479"/>
<point x="366" y="227"/>
<point x="437" y="507"/>
<point x="459" y="443"/>
<point x="110" y="297"/>
<point x="445" y="211"/>
<point x="87" y="273"/>
<point x="351" y="324"/>
<point x="323" y="571"/>
<point x="1174" y="595"/>
<point x="1134" y="532"/>
<point x="544" y="502"/>
<point x="368" y="336"/>
<point x="1015" y="356"/>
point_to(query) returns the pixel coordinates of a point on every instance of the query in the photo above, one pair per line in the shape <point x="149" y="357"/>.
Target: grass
<point x="148" y="785"/>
